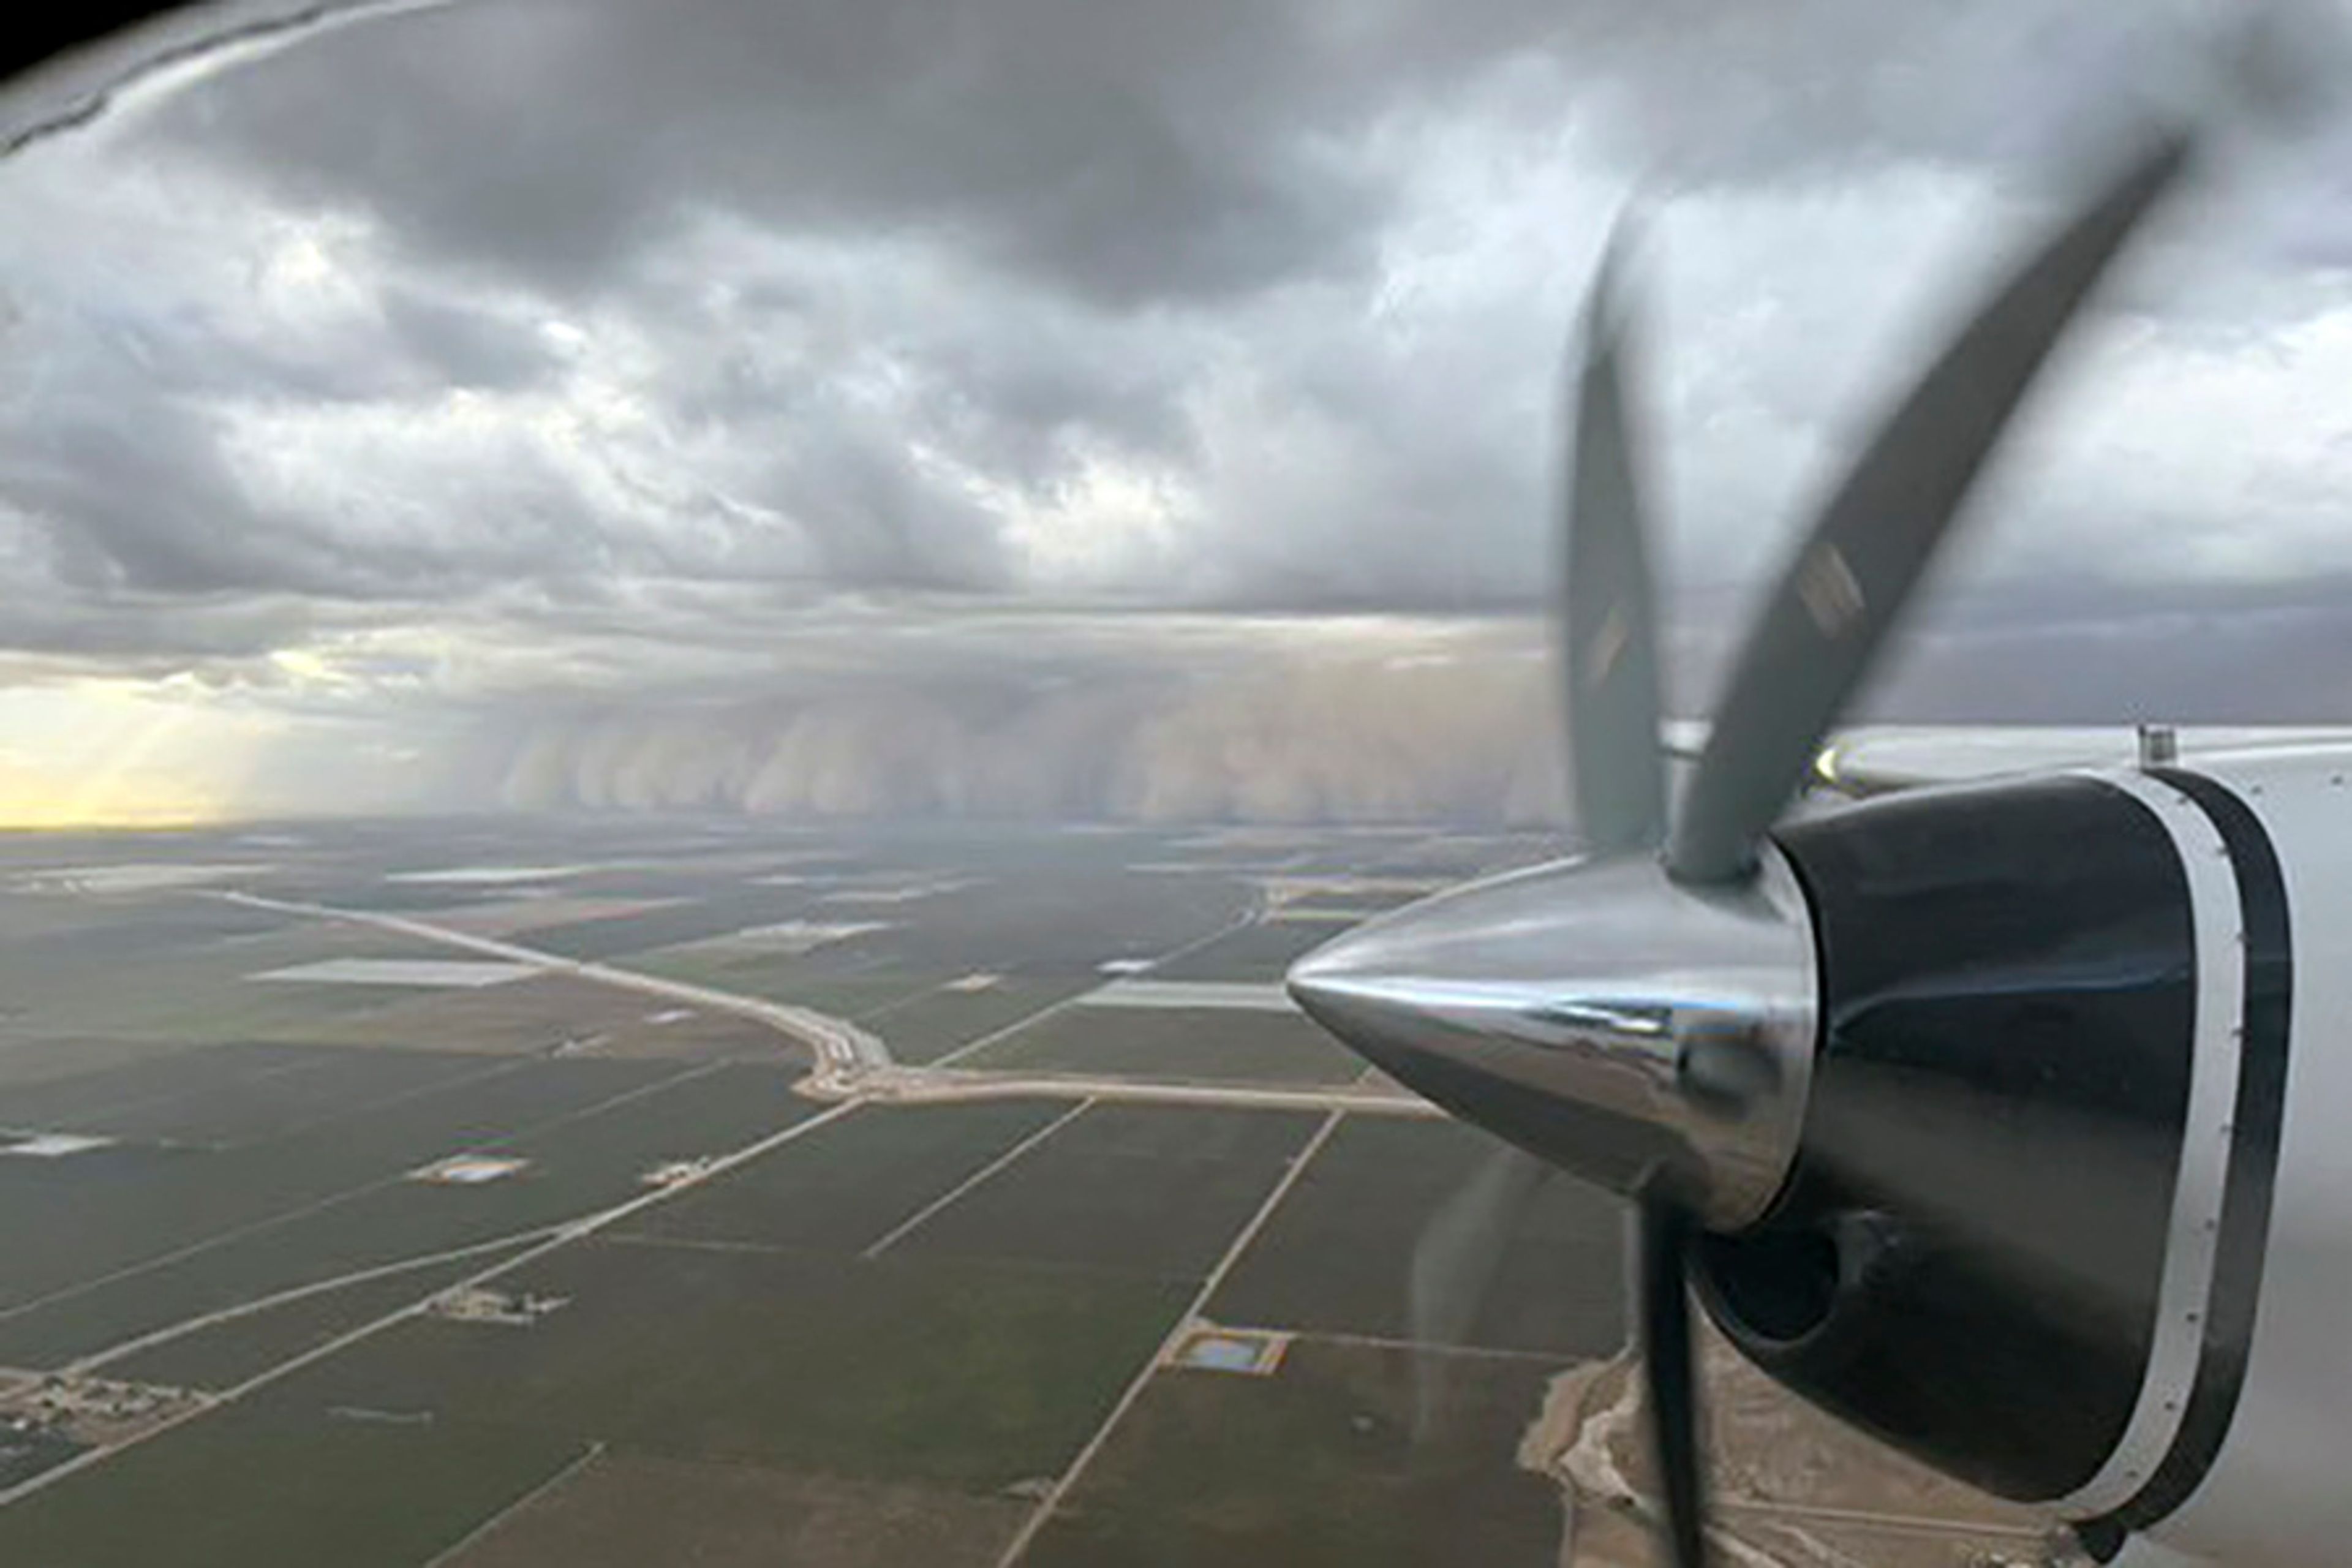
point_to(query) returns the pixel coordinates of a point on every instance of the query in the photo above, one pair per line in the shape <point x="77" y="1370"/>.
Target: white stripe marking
<point x="2186" y="1285"/>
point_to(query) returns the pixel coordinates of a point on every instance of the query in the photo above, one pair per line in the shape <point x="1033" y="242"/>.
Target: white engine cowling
<point x="2073" y="1214"/>
<point x="2276" y="1491"/>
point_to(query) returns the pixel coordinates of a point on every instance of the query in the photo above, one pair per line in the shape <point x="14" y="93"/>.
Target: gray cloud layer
<point x="566" y="363"/>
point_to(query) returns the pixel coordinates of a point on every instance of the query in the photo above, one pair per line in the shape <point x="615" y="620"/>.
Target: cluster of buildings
<point x="675" y="1172"/>
<point x="477" y="1304"/>
<point x="67" y="1404"/>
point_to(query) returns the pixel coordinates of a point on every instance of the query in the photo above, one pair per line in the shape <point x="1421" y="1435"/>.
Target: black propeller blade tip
<point x="1670" y="1374"/>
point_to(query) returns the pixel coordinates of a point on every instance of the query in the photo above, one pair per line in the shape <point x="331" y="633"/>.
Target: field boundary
<point x="1185" y="1323"/>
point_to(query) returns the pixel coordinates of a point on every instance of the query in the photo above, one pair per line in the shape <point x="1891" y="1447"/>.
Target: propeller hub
<point x="1640" y="1034"/>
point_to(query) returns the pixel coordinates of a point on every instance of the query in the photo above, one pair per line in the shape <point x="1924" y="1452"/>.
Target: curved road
<point x="853" y="1064"/>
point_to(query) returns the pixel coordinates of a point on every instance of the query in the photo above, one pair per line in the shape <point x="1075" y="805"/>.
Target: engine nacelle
<point x="2071" y="1217"/>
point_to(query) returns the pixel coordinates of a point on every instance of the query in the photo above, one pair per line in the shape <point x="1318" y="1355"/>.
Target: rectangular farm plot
<point x="512" y="917"/>
<point x="1210" y="1045"/>
<point x="205" y="992"/>
<point x="845" y="984"/>
<point x="847" y="1185"/>
<point x="1152" y="1189"/>
<point x="47" y="1145"/>
<point x="489" y="876"/>
<point x="271" y="1092"/>
<point x="968" y="1375"/>
<point x="59" y="958"/>
<point x="132" y="1211"/>
<point x="1321" y="1463"/>
<point x="1057" y="920"/>
<point x="1337" y="1254"/>
<point x="29" y="1063"/>
<point x="1261" y="952"/>
<point x="560" y="1014"/>
<point x="930" y="1024"/>
<point x="82" y="1079"/>
<point x="449" y="973"/>
<point x="629" y="1510"/>
<point x="554" y="1169"/>
<point x="1240" y="995"/>
<point x="268" y="1483"/>
<point x="717" y="913"/>
<point x="226" y="1353"/>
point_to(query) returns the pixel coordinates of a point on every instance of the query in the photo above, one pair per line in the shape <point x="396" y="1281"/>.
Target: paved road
<point x="854" y="1064"/>
<point x="844" y="1051"/>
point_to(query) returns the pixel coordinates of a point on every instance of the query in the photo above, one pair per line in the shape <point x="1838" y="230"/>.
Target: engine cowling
<point x="2057" y="1201"/>
<point x="1969" y="1258"/>
<point x="2068" y="1218"/>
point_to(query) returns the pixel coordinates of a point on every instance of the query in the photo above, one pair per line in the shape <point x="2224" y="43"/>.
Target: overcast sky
<point x="1085" y="406"/>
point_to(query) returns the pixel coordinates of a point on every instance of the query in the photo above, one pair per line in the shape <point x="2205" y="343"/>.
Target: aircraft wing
<point x="1876" y="760"/>
<point x="1880" y="759"/>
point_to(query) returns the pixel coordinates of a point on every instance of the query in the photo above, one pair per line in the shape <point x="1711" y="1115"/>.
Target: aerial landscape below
<point x="507" y="1191"/>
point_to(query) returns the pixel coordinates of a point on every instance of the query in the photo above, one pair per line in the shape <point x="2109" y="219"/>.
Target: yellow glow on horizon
<point x="30" y="801"/>
<point x="106" y="753"/>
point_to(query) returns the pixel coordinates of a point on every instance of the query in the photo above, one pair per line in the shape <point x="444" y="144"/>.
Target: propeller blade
<point x="1456" y="1260"/>
<point x="1670" y="1374"/>
<point x="1608" y="638"/>
<point x="1851" y="579"/>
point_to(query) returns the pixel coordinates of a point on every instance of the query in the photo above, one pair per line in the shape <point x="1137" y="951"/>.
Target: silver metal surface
<point x="1626" y="1028"/>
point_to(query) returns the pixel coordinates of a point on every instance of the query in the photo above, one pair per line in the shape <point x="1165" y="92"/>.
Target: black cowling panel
<point x="2257" y="1121"/>
<point x="1966" y="1259"/>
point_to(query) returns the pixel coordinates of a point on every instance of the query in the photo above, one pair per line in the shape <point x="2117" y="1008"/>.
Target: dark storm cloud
<point x="893" y="282"/>
<point x="693" y="397"/>
<point x="465" y="348"/>
<point x="151" y="635"/>
<point x="1132" y="153"/>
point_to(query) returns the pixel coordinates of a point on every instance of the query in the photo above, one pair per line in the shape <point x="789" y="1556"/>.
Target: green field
<point x="1321" y="1464"/>
<point x="629" y="1510"/>
<point x="1059" y="922"/>
<point x="847" y="1183"/>
<point x="30" y="1062"/>
<point x="583" y="1158"/>
<point x="191" y="984"/>
<point x="527" y="1016"/>
<point x="970" y="1375"/>
<point x="227" y="1353"/>
<point x="1154" y="1190"/>
<point x="730" y="1381"/>
<point x="271" y="1092"/>
<point x="1202" y="1043"/>
<point x="1258" y="952"/>
<point x="1336" y="1255"/>
<point x="834" y="982"/>
<point x="63" y="1083"/>
<point x="276" y="1482"/>
<point x="71" y="1220"/>
<point x="930" y="1024"/>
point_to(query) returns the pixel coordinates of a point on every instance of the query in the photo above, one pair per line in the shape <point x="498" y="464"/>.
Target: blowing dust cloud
<point x="1350" y="741"/>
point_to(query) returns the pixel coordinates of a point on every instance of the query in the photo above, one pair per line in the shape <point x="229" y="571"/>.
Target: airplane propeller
<point x="1693" y="1111"/>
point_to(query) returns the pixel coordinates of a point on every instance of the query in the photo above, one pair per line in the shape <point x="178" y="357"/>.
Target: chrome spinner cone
<point x="1624" y="1027"/>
